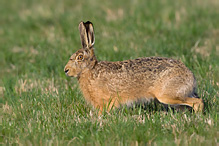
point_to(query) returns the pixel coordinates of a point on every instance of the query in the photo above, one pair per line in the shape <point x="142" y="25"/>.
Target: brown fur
<point x="113" y="83"/>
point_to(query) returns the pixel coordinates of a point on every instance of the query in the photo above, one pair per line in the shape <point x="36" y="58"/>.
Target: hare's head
<point x="84" y="58"/>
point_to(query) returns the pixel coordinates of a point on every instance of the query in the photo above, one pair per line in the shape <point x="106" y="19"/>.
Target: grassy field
<point x="40" y="105"/>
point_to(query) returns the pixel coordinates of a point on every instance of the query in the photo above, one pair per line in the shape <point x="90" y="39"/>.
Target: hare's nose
<point x="66" y="70"/>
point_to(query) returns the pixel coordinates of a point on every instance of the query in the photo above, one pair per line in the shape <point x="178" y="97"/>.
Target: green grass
<point x="40" y="105"/>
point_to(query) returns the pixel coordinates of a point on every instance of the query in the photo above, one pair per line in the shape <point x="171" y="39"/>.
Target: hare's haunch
<point x="113" y="83"/>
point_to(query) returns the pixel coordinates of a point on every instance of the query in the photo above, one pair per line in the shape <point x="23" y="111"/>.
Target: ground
<point x="40" y="105"/>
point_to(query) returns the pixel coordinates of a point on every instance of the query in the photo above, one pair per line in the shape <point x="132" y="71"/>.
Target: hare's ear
<point x="83" y="35"/>
<point x="87" y="34"/>
<point x="90" y="33"/>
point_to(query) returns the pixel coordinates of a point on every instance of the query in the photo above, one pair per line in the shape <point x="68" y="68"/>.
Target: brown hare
<point x="111" y="84"/>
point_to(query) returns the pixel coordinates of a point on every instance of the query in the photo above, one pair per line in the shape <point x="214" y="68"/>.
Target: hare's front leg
<point x="105" y="104"/>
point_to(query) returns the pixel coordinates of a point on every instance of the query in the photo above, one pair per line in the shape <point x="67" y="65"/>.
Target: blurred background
<point x="39" y="36"/>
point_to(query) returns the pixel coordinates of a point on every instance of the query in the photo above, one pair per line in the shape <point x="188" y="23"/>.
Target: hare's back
<point x="155" y="65"/>
<point x="148" y="65"/>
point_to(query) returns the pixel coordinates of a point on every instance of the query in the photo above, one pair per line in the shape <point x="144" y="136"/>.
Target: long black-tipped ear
<point x="90" y="33"/>
<point x="83" y="35"/>
<point x="87" y="34"/>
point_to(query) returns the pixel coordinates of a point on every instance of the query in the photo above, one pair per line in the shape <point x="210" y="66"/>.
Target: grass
<point x="40" y="105"/>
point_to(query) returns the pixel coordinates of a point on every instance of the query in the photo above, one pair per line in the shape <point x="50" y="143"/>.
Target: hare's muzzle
<point x="66" y="71"/>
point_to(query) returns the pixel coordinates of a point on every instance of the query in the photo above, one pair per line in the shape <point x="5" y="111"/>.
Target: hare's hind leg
<point x="178" y="91"/>
<point x="196" y="103"/>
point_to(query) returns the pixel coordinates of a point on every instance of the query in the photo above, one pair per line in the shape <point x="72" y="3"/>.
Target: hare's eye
<point x="80" y="57"/>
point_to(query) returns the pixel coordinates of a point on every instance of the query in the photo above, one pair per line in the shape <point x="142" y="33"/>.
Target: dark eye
<point x="80" y="57"/>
